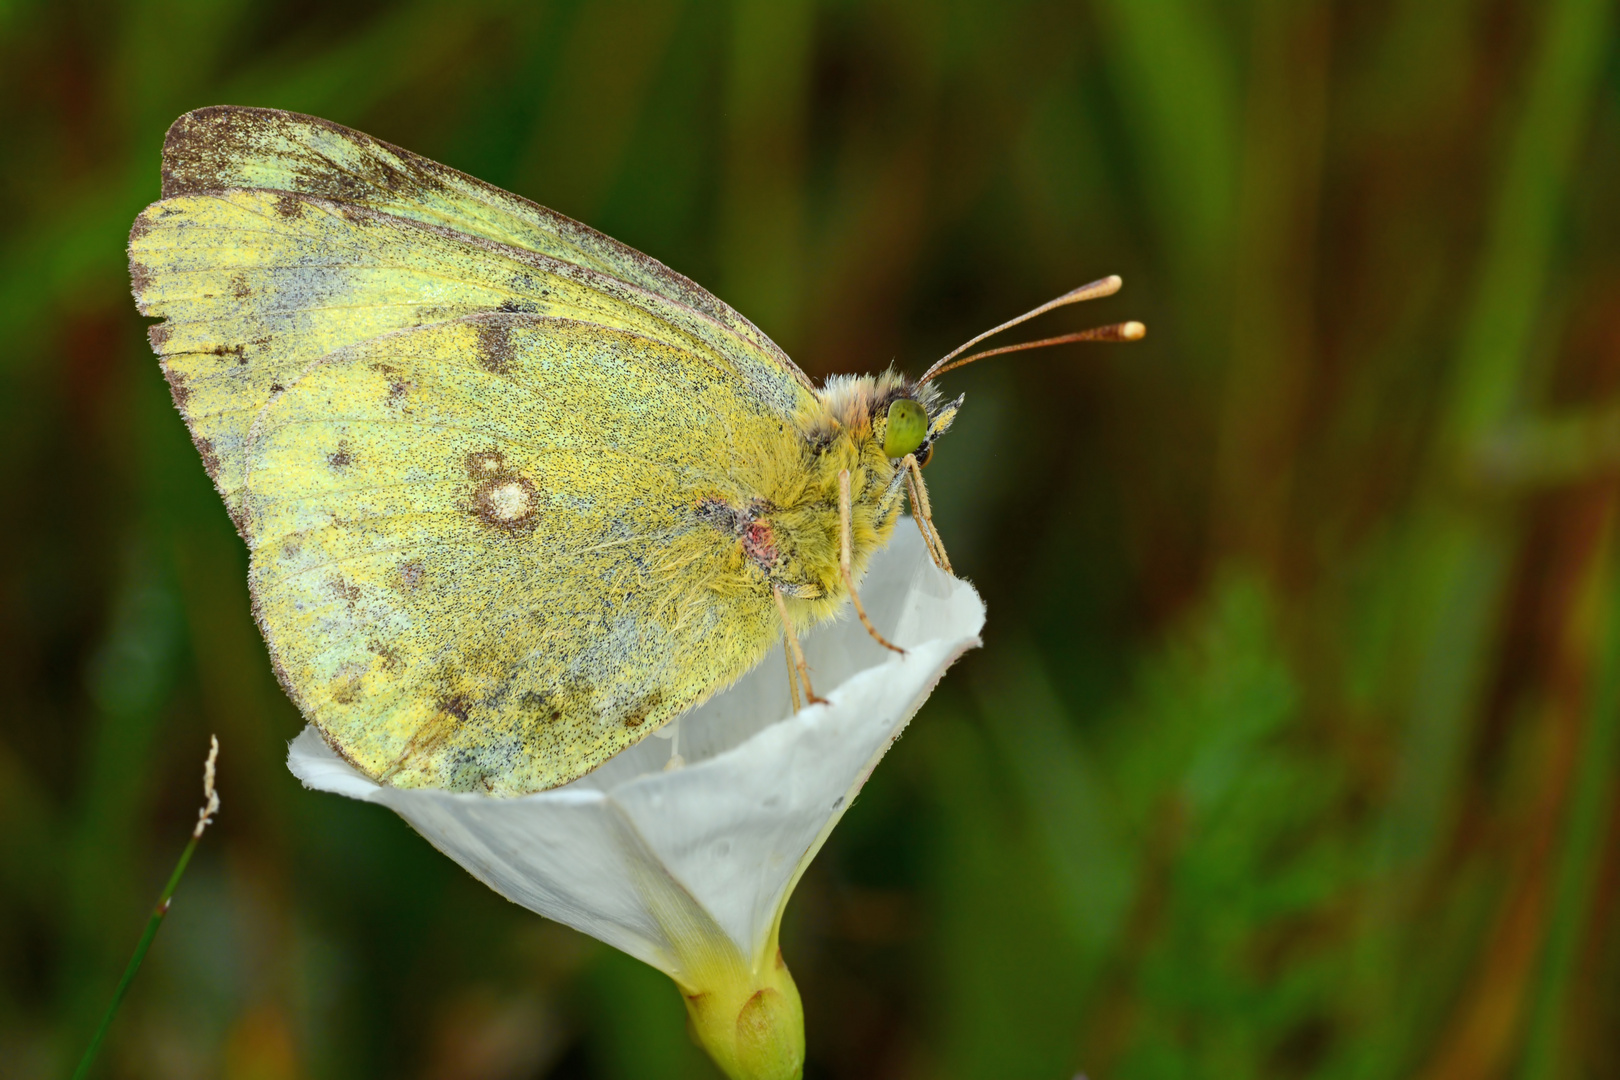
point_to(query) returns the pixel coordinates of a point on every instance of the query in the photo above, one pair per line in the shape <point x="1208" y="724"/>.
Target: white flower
<point x="682" y="850"/>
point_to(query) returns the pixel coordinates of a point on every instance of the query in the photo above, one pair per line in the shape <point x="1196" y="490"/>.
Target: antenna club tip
<point x="1133" y="331"/>
<point x="1114" y="281"/>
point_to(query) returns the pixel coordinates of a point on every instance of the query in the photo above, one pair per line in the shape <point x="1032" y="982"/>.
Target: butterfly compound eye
<point x="907" y="428"/>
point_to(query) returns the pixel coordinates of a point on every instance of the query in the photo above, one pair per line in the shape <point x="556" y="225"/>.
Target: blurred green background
<point x="1292" y="750"/>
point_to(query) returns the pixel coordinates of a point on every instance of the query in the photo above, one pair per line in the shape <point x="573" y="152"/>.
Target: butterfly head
<point x="904" y="417"/>
<point x="900" y="416"/>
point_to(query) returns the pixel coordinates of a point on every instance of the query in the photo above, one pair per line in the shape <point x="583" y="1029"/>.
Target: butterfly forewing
<point x="284" y="238"/>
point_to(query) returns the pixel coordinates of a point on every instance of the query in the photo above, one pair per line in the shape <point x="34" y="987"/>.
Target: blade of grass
<point x="1590" y="809"/>
<point x="205" y="817"/>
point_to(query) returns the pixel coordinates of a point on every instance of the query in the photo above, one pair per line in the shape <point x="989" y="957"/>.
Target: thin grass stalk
<point x="205" y="817"/>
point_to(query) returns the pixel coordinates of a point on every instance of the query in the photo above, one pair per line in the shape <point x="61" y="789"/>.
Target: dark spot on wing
<point x="158" y="335"/>
<point x="346" y="688"/>
<point x="457" y="707"/>
<point x="344" y="591"/>
<point x="276" y="388"/>
<point x="519" y="307"/>
<point x="139" y="277"/>
<point x="239" y="286"/>
<point x="483" y="464"/>
<point x="289" y="205"/>
<point x="542" y="703"/>
<point x="494" y="346"/>
<point x="341" y="458"/>
<point x="411" y="574"/>
<point x="574" y="697"/>
<point x="642" y="709"/>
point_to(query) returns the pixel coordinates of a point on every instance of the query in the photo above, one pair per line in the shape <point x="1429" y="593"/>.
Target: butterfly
<point x="516" y="494"/>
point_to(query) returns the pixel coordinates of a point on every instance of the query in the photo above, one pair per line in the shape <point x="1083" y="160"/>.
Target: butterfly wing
<point x="482" y="576"/>
<point x="282" y="238"/>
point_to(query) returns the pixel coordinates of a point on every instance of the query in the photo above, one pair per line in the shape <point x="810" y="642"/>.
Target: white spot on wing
<point x="508" y="502"/>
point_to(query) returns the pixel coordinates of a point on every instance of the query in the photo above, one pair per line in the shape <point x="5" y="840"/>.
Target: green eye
<point x="908" y="427"/>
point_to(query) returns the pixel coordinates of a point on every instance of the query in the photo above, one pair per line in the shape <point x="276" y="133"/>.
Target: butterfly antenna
<point x="1108" y="286"/>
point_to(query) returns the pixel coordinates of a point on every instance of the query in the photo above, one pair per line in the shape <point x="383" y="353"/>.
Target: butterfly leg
<point x="793" y="676"/>
<point x="925" y="514"/>
<point x="845" y="541"/>
<point x="792" y="640"/>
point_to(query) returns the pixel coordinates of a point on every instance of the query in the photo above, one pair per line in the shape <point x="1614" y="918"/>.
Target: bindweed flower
<point x="683" y="850"/>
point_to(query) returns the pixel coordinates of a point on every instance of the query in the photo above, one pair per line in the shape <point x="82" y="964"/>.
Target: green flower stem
<point x="152" y="924"/>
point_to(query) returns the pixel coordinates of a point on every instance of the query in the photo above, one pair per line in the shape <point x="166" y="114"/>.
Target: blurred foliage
<point x="1292" y="749"/>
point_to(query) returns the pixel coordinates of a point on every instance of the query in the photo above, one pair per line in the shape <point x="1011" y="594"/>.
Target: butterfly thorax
<point x="788" y="535"/>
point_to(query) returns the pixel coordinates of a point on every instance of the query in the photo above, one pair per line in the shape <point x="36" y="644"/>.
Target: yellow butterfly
<point x="516" y="494"/>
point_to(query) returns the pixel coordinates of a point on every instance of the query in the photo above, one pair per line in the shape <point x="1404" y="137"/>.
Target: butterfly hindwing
<point x="496" y="579"/>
